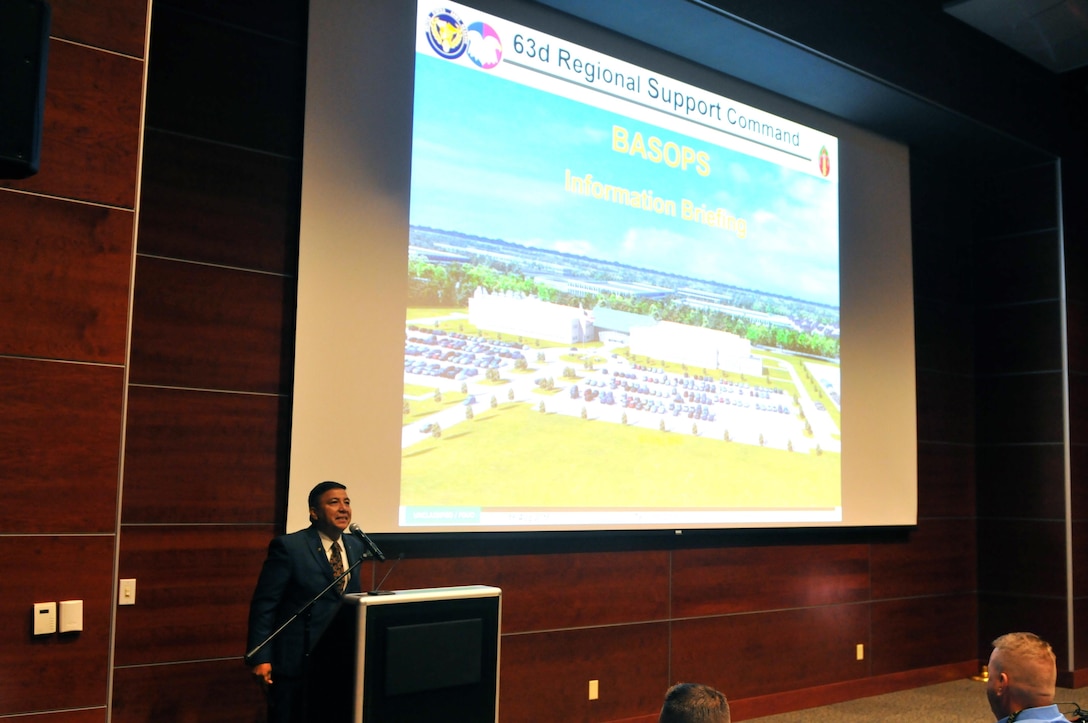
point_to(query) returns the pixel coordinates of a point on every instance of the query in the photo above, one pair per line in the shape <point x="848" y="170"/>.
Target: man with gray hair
<point x="1022" y="676"/>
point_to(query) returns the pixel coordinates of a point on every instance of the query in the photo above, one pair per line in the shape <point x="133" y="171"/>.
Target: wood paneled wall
<point x="1075" y="246"/>
<point x="146" y="402"/>
<point x="211" y="351"/>
<point x="66" y="254"/>
<point x="1020" y="396"/>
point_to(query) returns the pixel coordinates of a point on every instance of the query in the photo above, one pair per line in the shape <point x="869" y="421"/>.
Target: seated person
<point x="1022" y="676"/>
<point x="694" y="703"/>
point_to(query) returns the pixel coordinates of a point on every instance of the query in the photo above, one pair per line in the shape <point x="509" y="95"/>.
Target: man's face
<point x="332" y="515"/>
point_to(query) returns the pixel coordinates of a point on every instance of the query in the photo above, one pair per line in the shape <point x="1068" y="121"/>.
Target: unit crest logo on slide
<point x="446" y="33"/>
<point x="825" y="162"/>
<point x="450" y="38"/>
<point x="484" y="45"/>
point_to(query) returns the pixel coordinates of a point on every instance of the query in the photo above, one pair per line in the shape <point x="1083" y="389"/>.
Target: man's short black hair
<point x="315" y="494"/>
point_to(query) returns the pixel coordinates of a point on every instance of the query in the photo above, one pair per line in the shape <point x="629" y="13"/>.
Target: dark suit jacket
<point x="295" y="570"/>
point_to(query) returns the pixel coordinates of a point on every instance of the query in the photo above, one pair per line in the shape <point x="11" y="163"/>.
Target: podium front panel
<point x="426" y="655"/>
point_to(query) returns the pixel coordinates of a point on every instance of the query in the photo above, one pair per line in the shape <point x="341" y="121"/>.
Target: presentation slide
<point x="623" y="293"/>
<point x="613" y="297"/>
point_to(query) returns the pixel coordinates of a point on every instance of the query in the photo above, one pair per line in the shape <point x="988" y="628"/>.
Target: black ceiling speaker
<point x="24" y="48"/>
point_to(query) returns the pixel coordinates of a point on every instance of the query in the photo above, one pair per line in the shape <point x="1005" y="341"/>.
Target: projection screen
<point x="554" y="279"/>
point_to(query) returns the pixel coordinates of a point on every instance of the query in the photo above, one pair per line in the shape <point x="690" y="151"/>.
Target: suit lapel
<point x="318" y="552"/>
<point x="355" y="583"/>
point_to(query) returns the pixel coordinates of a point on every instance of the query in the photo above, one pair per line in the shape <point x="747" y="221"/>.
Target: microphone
<point x="358" y="532"/>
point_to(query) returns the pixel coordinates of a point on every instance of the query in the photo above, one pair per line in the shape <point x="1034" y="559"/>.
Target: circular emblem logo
<point x="484" y="45"/>
<point x="446" y="33"/>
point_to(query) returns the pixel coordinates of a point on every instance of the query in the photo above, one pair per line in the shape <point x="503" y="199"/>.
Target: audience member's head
<point x="1022" y="674"/>
<point x="694" y="703"/>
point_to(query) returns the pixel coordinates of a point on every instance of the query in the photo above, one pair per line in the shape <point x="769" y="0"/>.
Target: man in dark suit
<point x="298" y="567"/>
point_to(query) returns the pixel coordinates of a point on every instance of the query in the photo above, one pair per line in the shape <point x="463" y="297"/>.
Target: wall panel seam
<point x="175" y="259"/>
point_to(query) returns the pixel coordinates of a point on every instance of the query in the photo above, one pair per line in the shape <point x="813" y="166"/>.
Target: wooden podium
<point x="409" y="656"/>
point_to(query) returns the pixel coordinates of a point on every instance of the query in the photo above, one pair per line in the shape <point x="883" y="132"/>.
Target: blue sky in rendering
<point x="490" y="157"/>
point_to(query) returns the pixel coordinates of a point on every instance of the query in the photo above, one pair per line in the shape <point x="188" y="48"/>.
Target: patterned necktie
<point x="338" y="567"/>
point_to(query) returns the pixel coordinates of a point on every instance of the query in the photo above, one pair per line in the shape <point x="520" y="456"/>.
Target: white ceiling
<point x="1053" y="33"/>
